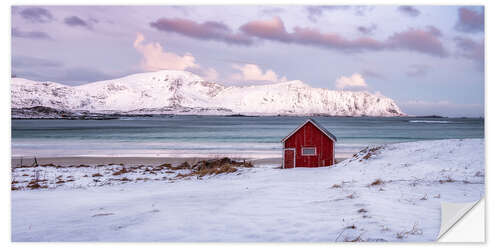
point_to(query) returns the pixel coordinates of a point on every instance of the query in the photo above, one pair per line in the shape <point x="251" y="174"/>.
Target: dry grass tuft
<point x="479" y="174"/>
<point x="162" y="166"/>
<point x="367" y="156"/>
<point x="35" y="185"/>
<point x="377" y="182"/>
<point x="217" y="170"/>
<point x="125" y="179"/>
<point x="336" y="186"/>
<point x="213" y="167"/>
<point x="362" y="211"/>
<point x="82" y="166"/>
<point x="121" y="171"/>
<point x="357" y="239"/>
<point x="184" y="165"/>
<point x="413" y="231"/>
<point x="447" y="180"/>
<point x="97" y="175"/>
<point x="102" y="214"/>
<point x="48" y="165"/>
<point x="367" y="153"/>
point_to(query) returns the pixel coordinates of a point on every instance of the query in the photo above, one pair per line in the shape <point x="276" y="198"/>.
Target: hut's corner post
<point x="333" y="153"/>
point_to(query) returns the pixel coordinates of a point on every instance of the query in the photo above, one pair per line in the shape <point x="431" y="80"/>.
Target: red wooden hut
<point x="310" y="145"/>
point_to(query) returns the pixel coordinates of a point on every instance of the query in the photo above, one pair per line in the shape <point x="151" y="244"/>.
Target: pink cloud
<point x="334" y="41"/>
<point x="273" y="29"/>
<point x="470" y="20"/>
<point x="252" y="72"/>
<point x="421" y="40"/>
<point x="155" y="58"/>
<point x="354" y="82"/>
<point x="205" y="31"/>
<point x="425" y="41"/>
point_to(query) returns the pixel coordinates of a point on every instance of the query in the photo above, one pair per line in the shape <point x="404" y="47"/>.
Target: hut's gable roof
<point x="317" y="125"/>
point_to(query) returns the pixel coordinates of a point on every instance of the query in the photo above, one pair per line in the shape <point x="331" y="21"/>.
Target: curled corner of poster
<point x="462" y="222"/>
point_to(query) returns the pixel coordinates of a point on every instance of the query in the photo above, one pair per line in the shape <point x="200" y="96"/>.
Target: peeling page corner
<point x="452" y="213"/>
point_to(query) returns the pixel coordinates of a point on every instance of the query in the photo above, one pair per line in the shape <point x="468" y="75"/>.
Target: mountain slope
<point x="183" y="92"/>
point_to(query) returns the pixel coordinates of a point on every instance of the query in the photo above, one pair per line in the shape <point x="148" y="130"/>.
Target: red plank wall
<point x="310" y="136"/>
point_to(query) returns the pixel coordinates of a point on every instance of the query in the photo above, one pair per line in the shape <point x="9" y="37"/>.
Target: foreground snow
<point x="181" y="92"/>
<point x="341" y="203"/>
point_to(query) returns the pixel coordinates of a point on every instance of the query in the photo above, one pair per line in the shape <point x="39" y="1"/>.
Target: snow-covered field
<point x="86" y="176"/>
<point x="388" y="193"/>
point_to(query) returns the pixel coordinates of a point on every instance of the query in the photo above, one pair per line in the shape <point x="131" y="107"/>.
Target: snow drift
<point x="181" y="92"/>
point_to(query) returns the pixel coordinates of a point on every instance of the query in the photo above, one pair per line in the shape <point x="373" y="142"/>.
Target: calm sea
<point x="257" y="137"/>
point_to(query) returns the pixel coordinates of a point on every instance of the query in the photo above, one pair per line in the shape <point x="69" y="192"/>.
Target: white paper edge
<point x="469" y="224"/>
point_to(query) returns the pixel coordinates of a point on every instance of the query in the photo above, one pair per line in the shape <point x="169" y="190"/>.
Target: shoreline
<point x="105" y="160"/>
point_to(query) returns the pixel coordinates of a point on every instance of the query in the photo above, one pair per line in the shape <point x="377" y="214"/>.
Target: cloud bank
<point x="423" y="40"/>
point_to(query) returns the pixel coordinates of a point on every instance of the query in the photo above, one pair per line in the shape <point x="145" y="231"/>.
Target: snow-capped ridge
<point x="170" y="88"/>
<point x="294" y="83"/>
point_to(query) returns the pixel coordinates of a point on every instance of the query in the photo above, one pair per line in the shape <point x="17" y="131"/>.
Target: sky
<point x="429" y="59"/>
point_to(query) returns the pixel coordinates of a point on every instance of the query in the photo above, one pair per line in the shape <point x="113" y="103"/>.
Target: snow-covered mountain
<point x="174" y="92"/>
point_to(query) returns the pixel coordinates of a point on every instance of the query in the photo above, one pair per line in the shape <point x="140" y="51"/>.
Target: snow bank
<point x="388" y="193"/>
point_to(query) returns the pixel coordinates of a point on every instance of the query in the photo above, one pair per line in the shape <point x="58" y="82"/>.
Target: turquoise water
<point x="257" y="137"/>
